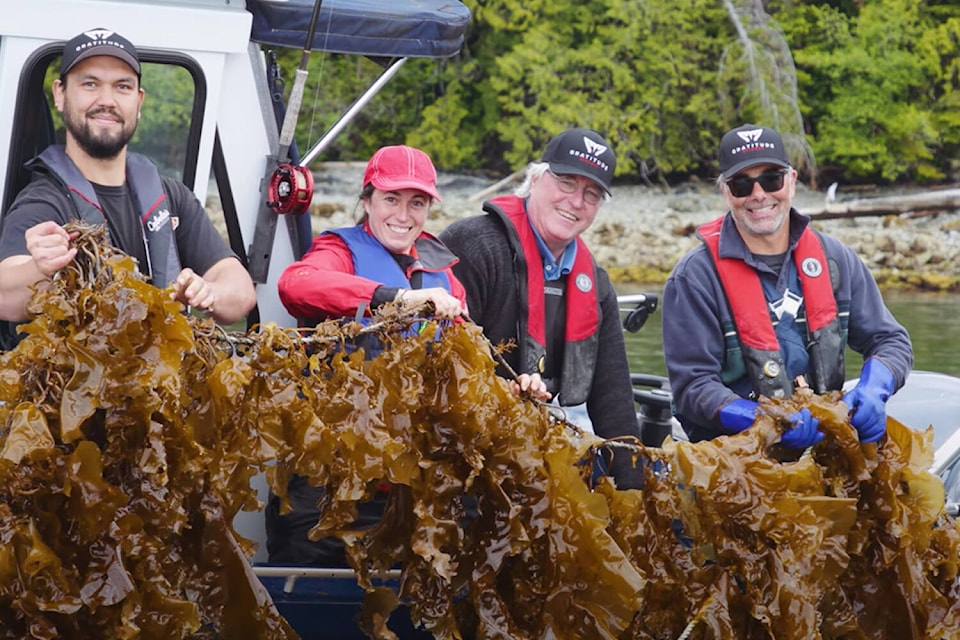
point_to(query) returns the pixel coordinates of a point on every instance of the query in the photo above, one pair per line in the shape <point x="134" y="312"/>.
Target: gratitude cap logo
<point x="593" y="148"/>
<point x="582" y="152"/>
<point x="750" y="145"/>
<point x="98" y="34"/>
<point x="750" y="136"/>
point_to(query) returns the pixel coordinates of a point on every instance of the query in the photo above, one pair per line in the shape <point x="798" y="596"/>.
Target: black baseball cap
<point x="98" y="42"/>
<point x="581" y="152"/>
<point x="749" y="145"/>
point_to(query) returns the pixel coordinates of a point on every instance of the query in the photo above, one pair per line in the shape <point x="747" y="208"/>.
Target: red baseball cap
<point x="402" y="167"/>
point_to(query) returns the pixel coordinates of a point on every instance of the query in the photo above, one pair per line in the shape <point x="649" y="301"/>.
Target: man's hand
<point x="192" y="290"/>
<point x="741" y="413"/>
<point x="868" y="400"/>
<point x="805" y="431"/>
<point x="49" y="246"/>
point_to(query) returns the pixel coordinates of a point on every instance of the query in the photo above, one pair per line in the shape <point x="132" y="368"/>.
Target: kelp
<point x="131" y="431"/>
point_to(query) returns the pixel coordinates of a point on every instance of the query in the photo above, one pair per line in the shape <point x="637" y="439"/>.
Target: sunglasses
<point x="742" y="186"/>
<point x="569" y="184"/>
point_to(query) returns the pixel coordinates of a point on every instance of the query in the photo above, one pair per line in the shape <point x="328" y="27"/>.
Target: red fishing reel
<point x="291" y="189"/>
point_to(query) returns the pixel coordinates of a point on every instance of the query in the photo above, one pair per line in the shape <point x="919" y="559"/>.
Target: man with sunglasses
<point x="530" y="279"/>
<point x="767" y="304"/>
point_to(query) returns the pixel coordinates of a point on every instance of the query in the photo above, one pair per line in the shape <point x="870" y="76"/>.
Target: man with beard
<point x="94" y="178"/>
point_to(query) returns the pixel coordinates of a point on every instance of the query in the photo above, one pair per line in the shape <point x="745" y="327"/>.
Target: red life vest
<point x="582" y="306"/>
<point x="761" y="350"/>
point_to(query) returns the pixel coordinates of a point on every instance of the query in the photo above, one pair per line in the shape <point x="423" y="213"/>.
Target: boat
<point x="230" y="146"/>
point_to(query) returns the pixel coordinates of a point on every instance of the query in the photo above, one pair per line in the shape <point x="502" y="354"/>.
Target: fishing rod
<point x="289" y="187"/>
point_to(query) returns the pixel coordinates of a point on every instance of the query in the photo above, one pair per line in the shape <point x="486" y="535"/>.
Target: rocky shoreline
<point x="641" y="233"/>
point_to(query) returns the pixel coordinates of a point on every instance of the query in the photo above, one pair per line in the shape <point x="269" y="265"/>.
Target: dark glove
<point x="741" y="413"/>
<point x="868" y="400"/>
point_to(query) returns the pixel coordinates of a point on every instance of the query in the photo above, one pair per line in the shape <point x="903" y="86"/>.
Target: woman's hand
<point x="444" y="304"/>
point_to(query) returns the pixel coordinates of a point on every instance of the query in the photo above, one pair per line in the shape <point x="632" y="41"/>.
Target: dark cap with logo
<point x="98" y="42"/>
<point x="749" y="145"/>
<point x="581" y="152"/>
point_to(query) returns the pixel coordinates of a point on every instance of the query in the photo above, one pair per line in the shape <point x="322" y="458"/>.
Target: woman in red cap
<point x="386" y="257"/>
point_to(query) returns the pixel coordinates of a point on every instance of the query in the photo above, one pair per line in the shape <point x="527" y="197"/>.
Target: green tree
<point x="873" y="112"/>
<point x="867" y="88"/>
<point x="634" y="71"/>
<point x="941" y="44"/>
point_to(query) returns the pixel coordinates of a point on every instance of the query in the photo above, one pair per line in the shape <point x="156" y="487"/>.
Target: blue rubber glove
<point x="738" y="415"/>
<point x="805" y="432"/>
<point x="741" y="413"/>
<point x="868" y="400"/>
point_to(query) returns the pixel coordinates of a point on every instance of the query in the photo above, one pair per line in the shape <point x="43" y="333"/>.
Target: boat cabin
<point x="211" y="115"/>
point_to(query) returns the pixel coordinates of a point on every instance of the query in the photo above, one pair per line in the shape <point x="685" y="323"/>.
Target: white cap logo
<point x="750" y="136"/>
<point x="98" y="34"/>
<point x="593" y="148"/>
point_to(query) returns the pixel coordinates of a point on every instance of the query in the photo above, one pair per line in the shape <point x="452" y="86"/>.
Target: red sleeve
<point x="322" y="284"/>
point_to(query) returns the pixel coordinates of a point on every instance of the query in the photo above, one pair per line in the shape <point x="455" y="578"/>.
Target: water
<point x="931" y="319"/>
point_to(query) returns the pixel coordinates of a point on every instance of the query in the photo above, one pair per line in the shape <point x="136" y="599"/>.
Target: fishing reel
<point x="290" y="189"/>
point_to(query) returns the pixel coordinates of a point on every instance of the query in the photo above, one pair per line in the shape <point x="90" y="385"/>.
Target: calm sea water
<point x="933" y="320"/>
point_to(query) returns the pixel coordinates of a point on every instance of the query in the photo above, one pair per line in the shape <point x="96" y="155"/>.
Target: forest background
<point x="863" y="91"/>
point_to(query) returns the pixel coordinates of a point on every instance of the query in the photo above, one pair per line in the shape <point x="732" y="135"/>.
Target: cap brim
<point x="396" y="185"/>
<point x="572" y="169"/>
<point x="746" y="164"/>
<point x="106" y="50"/>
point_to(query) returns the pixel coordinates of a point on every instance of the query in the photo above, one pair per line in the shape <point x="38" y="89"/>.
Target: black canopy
<point x="379" y="28"/>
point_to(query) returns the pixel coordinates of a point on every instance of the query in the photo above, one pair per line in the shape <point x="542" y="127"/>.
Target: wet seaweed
<point x="131" y="432"/>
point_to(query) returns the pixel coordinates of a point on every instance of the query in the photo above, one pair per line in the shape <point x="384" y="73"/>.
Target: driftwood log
<point x="917" y="204"/>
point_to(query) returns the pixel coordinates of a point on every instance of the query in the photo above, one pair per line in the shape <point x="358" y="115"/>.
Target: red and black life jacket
<point x="582" y="306"/>
<point x="760" y="349"/>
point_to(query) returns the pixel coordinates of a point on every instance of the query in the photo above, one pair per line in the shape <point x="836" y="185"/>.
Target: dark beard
<point x="102" y="147"/>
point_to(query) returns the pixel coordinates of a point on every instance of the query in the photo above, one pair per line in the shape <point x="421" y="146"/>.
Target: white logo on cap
<point x="98" y="34"/>
<point x="750" y="136"/>
<point x="593" y="148"/>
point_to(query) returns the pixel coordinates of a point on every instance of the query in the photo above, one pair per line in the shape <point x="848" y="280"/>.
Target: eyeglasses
<point x="742" y="186"/>
<point x="569" y="184"/>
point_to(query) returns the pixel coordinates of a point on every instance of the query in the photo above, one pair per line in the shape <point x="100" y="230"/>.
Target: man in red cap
<point x="531" y="279"/>
<point x="94" y="178"/>
<point x="766" y="303"/>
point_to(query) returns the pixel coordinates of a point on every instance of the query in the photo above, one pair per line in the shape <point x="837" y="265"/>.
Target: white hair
<point x="537" y="169"/>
